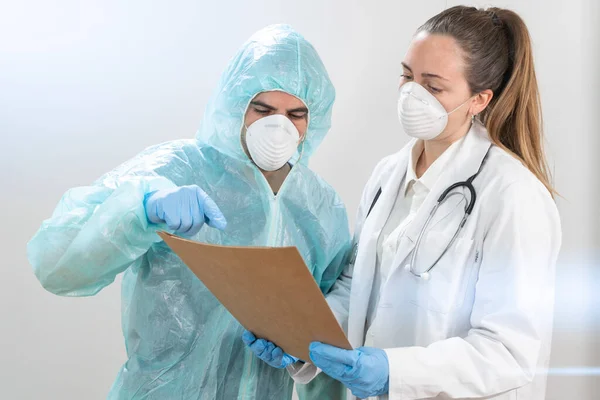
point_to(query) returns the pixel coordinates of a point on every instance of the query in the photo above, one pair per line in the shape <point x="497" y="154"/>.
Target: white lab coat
<point x="481" y="326"/>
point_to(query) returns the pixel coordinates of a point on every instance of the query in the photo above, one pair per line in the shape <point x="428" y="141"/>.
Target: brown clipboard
<point x="270" y="291"/>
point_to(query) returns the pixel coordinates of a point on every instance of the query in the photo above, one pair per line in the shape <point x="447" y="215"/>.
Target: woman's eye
<point x="434" y="90"/>
<point x="261" y="111"/>
<point x="407" y="77"/>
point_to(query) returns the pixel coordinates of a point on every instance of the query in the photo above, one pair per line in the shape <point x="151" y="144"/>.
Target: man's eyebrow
<point x="261" y="104"/>
<point x="297" y="110"/>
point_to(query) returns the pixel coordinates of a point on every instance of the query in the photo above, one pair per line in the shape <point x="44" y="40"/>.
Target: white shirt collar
<point x="434" y="171"/>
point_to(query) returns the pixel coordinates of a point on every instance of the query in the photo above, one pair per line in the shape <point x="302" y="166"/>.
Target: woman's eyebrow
<point x="425" y="74"/>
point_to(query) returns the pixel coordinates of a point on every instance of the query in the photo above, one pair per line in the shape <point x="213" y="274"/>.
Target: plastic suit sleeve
<point x="339" y="296"/>
<point x="94" y="234"/>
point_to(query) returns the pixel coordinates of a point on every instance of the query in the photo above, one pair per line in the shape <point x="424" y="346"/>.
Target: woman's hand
<point x="365" y="371"/>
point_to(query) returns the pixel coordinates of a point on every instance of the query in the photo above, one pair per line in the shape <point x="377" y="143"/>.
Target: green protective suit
<point x="181" y="342"/>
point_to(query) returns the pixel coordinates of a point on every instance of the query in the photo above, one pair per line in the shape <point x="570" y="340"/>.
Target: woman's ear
<point x="481" y="101"/>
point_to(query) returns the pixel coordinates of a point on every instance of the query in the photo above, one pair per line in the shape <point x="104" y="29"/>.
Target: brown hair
<point x="498" y="56"/>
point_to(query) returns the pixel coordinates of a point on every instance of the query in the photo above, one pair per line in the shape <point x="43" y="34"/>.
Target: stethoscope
<point x="468" y="184"/>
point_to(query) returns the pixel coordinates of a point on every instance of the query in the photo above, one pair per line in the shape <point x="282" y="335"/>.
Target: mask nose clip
<point x="418" y="98"/>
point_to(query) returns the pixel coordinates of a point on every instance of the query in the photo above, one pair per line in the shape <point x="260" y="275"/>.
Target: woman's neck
<point x="433" y="149"/>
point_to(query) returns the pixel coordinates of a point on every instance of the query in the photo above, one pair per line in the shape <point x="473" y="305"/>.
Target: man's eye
<point x="407" y="77"/>
<point x="261" y="111"/>
<point x="298" y="115"/>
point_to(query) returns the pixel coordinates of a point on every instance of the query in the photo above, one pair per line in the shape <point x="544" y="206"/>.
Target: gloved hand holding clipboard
<point x="270" y="291"/>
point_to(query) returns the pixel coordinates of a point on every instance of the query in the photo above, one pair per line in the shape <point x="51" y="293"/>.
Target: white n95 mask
<point x="272" y="141"/>
<point x="422" y="116"/>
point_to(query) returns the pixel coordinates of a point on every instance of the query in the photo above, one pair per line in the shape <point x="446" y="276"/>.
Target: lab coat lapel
<point x="362" y="280"/>
<point x="465" y="163"/>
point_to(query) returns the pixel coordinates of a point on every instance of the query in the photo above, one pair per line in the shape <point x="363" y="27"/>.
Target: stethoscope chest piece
<point x="424" y="276"/>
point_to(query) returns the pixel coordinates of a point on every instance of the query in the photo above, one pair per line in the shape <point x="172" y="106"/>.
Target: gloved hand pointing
<point x="184" y="209"/>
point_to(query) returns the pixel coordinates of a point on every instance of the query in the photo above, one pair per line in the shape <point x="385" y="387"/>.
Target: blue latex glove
<point x="365" y="371"/>
<point x="184" y="209"/>
<point x="267" y="351"/>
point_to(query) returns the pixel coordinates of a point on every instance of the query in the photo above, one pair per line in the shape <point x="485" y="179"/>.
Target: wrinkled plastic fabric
<point x="181" y="343"/>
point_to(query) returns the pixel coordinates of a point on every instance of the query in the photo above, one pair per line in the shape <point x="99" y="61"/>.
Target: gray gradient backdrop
<point x="86" y="85"/>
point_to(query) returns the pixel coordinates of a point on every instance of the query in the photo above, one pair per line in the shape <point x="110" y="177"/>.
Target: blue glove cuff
<point x="147" y="195"/>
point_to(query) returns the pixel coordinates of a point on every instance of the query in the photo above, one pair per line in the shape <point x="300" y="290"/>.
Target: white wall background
<point x="86" y="85"/>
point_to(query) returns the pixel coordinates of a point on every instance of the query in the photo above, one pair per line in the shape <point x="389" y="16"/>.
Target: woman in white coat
<point x="449" y="293"/>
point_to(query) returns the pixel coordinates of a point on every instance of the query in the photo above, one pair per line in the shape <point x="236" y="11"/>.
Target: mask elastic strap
<point x="466" y="101"/>
<point x="302" y="150"/>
